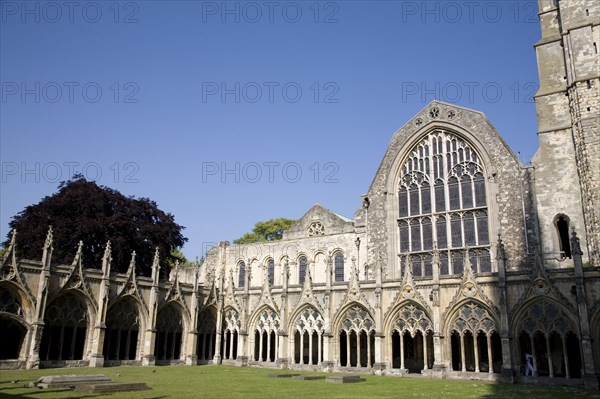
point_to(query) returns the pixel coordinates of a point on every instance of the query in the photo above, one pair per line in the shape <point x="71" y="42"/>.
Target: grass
<point x="248" y="383"/>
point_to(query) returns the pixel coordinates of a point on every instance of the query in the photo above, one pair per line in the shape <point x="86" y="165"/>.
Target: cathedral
<point x="460" y="262"/>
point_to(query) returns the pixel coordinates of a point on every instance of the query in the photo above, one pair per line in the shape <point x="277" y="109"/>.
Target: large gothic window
<point x="442" y="200"/>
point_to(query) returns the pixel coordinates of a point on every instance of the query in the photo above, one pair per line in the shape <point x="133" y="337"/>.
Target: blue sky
<point x="227" y="113"/>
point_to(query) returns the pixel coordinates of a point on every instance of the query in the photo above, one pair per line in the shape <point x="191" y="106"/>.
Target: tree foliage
<point x="271" y="230"/>
<point x="82" y="210"/>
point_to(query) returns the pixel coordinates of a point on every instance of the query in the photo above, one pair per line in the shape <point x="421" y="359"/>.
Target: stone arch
<point x="318" y="266"/>
<point x="548" y="332"/>
<point x="339" y="265"/>
<point x="561" y="238"/>
<point x="207" y="333"/>
<point x="68" y="327"/>
<point x="301" y="267"/>
<point x="231" y="327"/>
<point x="270" y="269"/>
<point x="124" y="327"/>
<point x="355" y="328"/>
<point x="473" y="342"/>
<point x="409" y="329"/>
<point x="264" y="325"/>
<point x="241" y="270"/>
<point x="307" y="328"/>
<point x="171" y="323"/>
<point x="15" y="313"/>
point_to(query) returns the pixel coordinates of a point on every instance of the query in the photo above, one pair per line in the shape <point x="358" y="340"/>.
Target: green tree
<point x="82" y="210"/>
<point x="271" y="230"/>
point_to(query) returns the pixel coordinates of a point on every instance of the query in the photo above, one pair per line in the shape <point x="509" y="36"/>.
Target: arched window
<point x="301" y="269"/>
<point x="442" y="199"/>
<point x="13" y="331"/>
<point x="65" y="329"/>
<point x="271" y="271"/>
<point x="242" y="275"/>
<point x="339" y="267"/>
<point x="169" y="333"/>
<point x="562" y="229"/>
<point x="122" y="328"/>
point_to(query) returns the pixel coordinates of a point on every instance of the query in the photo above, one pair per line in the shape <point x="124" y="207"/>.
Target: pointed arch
<point x="302" y="266"/>
<point x="22" y="304"/>
<point x="562" y="224"/>
<point x="409" y="328"/>
<point x="15" y="312"/>
<point x="472" y="327"/>
<point x="437" y="174"/>
<point x="416" y="316"/>
<point x="306" y="329"/>
<point x="549" y="333"/>
<point x="171" y="323"/>
<point x="355" y="327"/>
<point x="264" y="327"/>
<point x="230" y="332"/>
<point x="68" y="326"/>
<point x="124" y="322"/>
<point x="207" y="333"/>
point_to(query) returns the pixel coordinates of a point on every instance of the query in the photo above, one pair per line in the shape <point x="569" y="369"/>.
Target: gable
<point x="319" y="221"/>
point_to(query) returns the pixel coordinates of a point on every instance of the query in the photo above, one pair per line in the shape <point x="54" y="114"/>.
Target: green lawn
<point x="248" y="383"/>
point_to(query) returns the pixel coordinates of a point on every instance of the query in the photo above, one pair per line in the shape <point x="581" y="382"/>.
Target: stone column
<point x="150" y="334"/>
<point x="37" y="328"/>
<point x="489" y="349"/>
<point x="507" y="355"/>
<point x="96" y="358"/>
<point x="283" y="346"/>
<point x="191" y="357"/>
<point x="218" y="356"/>
<point x="476" y="353"/>
<point x="589" y="375"/>
<point x="425" y="355"/>
<point x="439" y="362"/>
<point x="402" y="351"/>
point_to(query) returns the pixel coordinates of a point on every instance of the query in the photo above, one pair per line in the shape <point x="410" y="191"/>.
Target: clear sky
<point x="228" y="113"/>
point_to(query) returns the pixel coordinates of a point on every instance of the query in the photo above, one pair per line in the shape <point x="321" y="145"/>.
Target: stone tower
<point x="567" y="164"/>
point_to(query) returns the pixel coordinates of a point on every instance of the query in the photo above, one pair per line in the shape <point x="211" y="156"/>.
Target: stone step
<point x="309" y="377"/>
<point x="344" y="379"/>
<point x="284" y="375"/>
<point x="69" y="380"/>
<point x="112" y="387"/>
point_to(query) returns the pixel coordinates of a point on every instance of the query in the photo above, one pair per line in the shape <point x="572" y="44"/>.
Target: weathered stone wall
<point x="567" y="165"/>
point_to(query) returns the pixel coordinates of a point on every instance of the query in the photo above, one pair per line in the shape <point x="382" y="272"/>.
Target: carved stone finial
<point x="49" y="237"/>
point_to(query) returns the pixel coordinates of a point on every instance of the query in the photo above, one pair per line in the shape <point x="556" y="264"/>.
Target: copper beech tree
<point x="83" y="211"/>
